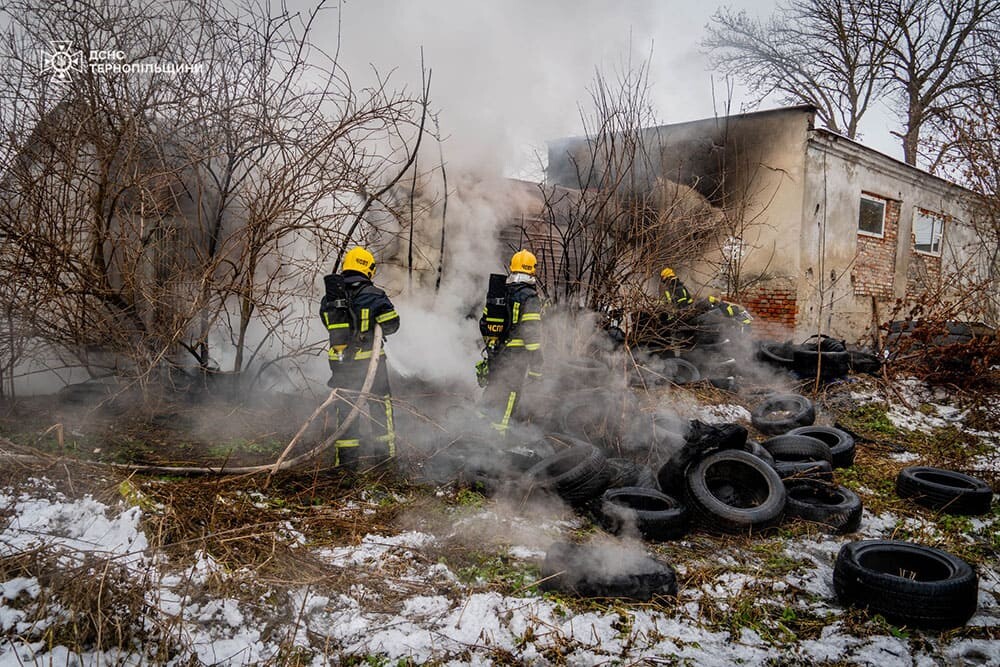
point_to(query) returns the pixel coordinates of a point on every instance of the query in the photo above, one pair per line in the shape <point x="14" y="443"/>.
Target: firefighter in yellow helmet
<point x="675" y="294"/>
<point x="350" y="308"/>
<point x="511" y="328"/>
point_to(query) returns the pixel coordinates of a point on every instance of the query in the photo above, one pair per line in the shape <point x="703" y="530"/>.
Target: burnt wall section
<point x="750" y="167"/>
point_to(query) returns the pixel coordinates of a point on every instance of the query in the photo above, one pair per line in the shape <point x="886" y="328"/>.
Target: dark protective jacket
<point x="351" y="328"/>
<point x="676" y="294"/>
<point x="734" y="311"/>
<point x="521" y="332"/>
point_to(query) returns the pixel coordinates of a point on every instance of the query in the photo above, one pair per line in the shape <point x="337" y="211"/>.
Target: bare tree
<point x="144" y="215"/>
<point x="613" y="215"/>
<point x="841" y="56"/>
<point x="936" y="61"/>
<point x="973" y="158"/>
<point x="818" y="52"/>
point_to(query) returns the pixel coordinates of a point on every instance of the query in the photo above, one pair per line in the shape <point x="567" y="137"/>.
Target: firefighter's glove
<point x="482" y="372"/>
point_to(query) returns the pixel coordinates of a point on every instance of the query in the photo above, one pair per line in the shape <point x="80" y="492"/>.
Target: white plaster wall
<point x="837" y="171"/>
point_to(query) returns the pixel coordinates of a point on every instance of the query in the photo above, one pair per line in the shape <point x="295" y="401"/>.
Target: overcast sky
<point x="509" y="75"/>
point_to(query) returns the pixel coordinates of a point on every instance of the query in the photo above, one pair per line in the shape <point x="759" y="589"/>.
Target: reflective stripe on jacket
<point x="351" y="337"/>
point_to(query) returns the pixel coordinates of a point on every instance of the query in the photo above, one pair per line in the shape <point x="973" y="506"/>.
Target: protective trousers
<point x="506" y="380"/>
<point x="371" y="438"/>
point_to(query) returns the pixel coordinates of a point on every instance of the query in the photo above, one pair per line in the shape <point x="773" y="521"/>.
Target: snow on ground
<point x="477" y="629"/>
<point x="724" y="413"/>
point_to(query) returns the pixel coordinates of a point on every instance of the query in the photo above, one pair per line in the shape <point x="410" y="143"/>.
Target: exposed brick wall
<point x="923" y="273"/>
<point x="774" y="311"/>
<point x="875" y="265"/>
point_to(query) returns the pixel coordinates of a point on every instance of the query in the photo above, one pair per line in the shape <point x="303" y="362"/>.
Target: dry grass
<point x="85" y="601"/>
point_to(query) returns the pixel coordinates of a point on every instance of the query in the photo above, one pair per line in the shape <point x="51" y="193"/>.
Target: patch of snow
<point x="913" y="420"/>
<point x="904" y="457"/>
<point x="14" y="587"/>
<point x="75" y="527"/>
<point x="723" y="413"/>
<point x="865" y="396"/>
<point x="877" y="526"/>
<point x="373" y="548"/>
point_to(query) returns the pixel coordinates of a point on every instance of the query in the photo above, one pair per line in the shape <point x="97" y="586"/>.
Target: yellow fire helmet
<point x="523" y="262"/>
<point x="667" y="274"/>
<point x="360" y="260"/>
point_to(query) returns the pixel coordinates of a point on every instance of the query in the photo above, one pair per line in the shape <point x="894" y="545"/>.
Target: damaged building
<point x="821" y="234"/>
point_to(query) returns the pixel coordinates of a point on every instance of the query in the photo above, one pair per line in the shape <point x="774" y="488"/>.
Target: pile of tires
<point x="728" y="482"/>
<point x="823" y="356"/>
<point x="818" y="355"/>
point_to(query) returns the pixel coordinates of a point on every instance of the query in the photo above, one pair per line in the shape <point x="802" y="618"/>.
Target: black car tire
<point x="655" y="515"/>
<point x="792" y="448"/>
<point x="909" y="584"/>
<point x="700" y="440"/>
<point x="758" y="450"/>
<point x="841" y="443"/>
<point x="804" y="470"/>
<point x="825" y="343"/>
<point x="577" y="475"/>
<point x="782" y="412"/>
<point x="836" y="507"/>
<point x="577" y="569"/>
<point x="625" y="473"/>
<point x="583" y="372"/>
<point x="946" y="490"/>
<point x="806" y="359"/>
<point x="733" y="491"/>
<point x="586" y="415"/>
<point x="680" y="371"/>
<point x="776" y="354"/>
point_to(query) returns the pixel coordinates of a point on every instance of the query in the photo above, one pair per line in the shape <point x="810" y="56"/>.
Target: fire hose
<point x="281" y="463"/>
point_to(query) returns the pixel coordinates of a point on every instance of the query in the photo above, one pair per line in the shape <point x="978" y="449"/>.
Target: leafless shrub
<point x="145" y="216"/>
<point x="91" y="603"/>
<point x="942" y="339"/>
